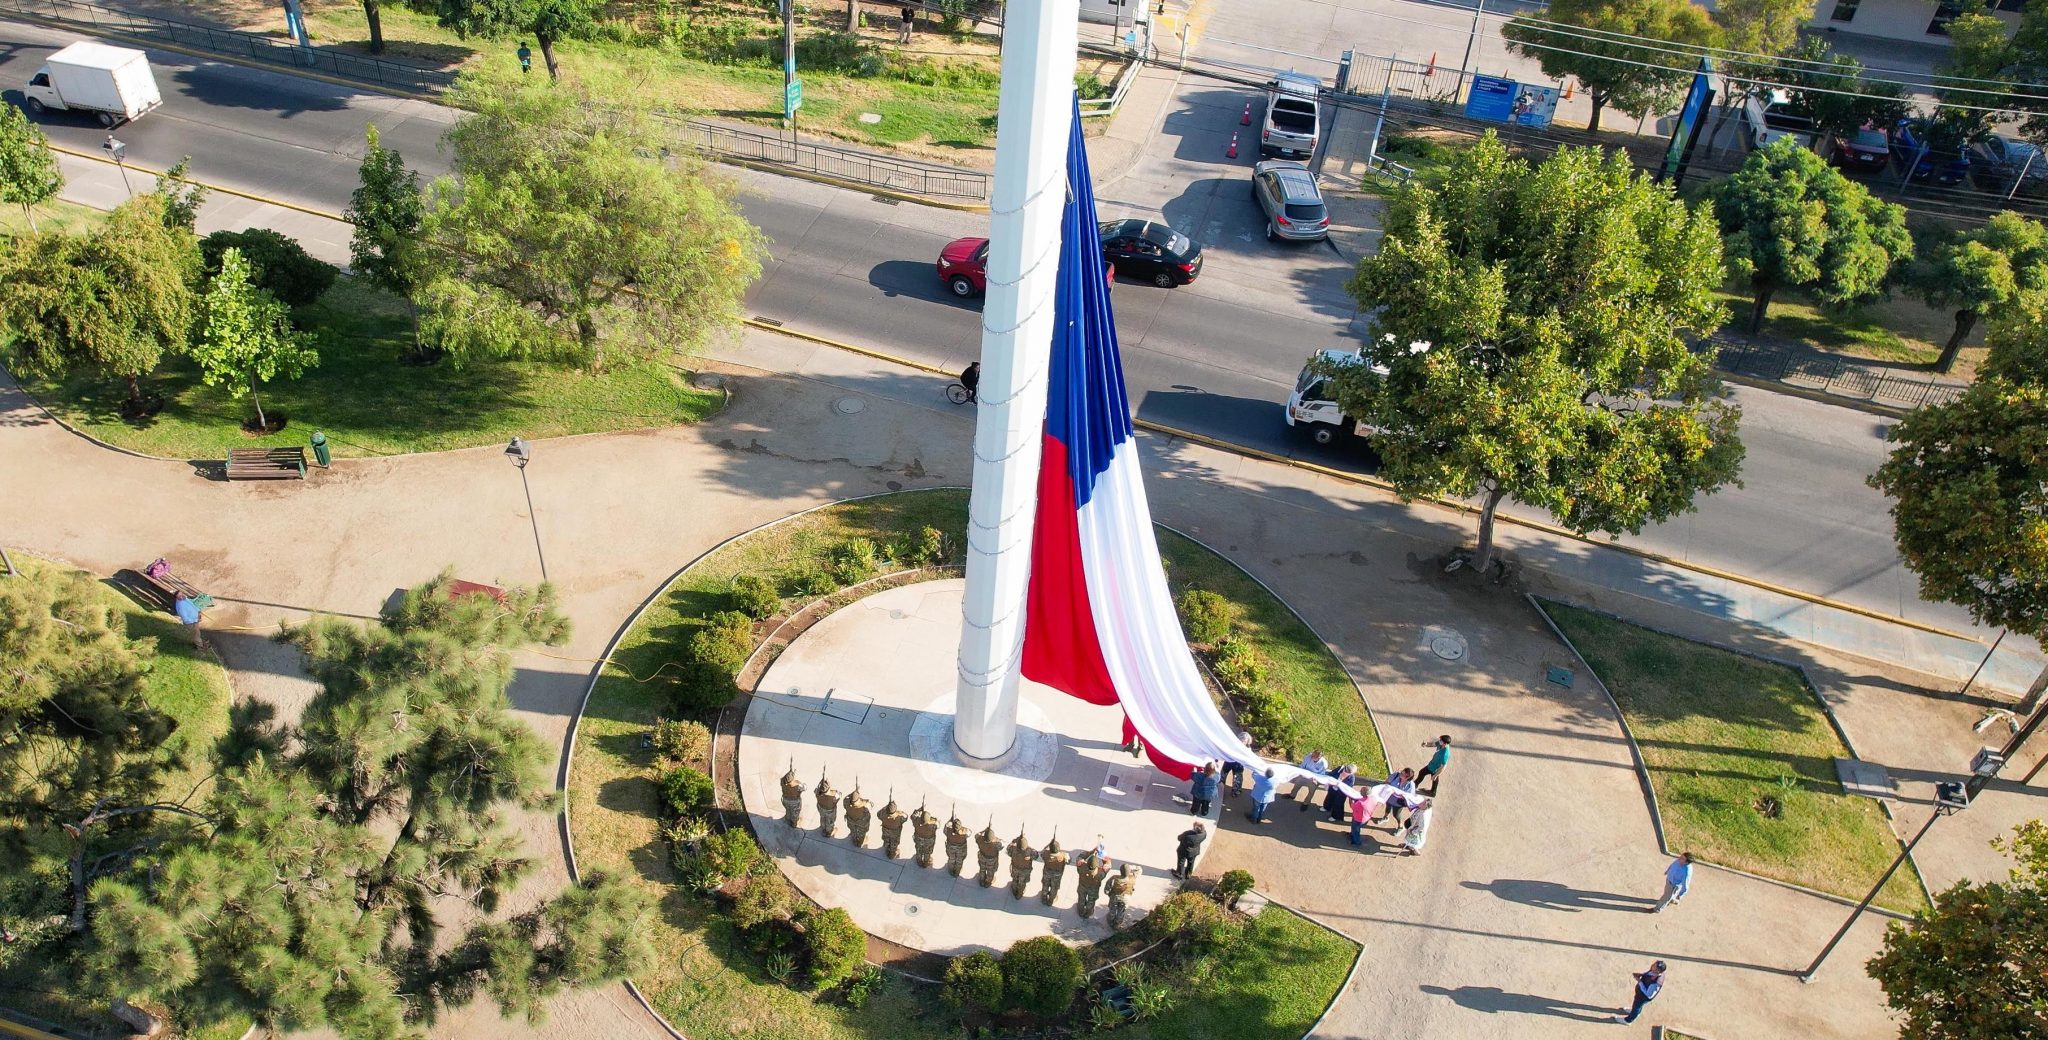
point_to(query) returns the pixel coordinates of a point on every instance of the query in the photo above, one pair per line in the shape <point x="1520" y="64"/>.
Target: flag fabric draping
<point x="1100" y="623"/>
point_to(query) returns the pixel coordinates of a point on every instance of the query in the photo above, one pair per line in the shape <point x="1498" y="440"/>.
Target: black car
<point x="1150" y="251"/>
<point x="2002" y="164"/>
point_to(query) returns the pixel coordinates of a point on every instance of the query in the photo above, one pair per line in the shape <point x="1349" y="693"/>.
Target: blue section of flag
<point x="1086" y="408"/>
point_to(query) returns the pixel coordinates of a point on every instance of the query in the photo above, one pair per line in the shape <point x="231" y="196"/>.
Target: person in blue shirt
<point x="1264" y="789"/>
<point x="1433" y="771"/>
<point x="188" y="615"/>
<point x="1648" y="985"/>
<point x="1203" y="791"/>
<point x="1677" y="879"/>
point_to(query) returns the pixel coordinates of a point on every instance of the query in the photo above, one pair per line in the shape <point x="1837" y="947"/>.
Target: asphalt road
<point x="1216" y="357"/>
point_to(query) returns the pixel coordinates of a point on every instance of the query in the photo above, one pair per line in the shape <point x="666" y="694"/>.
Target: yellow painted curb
<point x="12" y="1028"/>
<point x="251" y="196"/>
<point x="822" y="178"/>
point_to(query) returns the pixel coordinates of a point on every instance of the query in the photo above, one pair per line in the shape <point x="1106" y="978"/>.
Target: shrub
<point x="1190" y="919"/>
<point x="926" y="548"/>
<point x="728" y="855"/>
<point x="1232" y="887"/>
<point x="1103" y="1016"/>
<point x="855" y="561"/>
<point x="1237" y="665"/>
<point x="278" y="264"/>
<point x="834" y="947"/>
<point x="724" y="643"/>
<point x="974" y="983"/>
<point x="1040" y="976"/>
<point x="1149" y="1000"/>
<point x="1204" y="616"/>
<point x="703" y="688"/>
<point x="680" y="740"/>
<point x="812" y="581"/>
<point x="755" y="597"/>
<point x="1266" y="716"/>
<point x="685" y="791"/>
<point x="833" y="52"/>
<point x="864" y="984"/>
<point x="1089" y="87"/>
<point x="953" y="16"/>
<point x="766" y="898"/>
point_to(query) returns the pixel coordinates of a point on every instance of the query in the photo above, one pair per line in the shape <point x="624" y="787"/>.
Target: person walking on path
<point x="1203" y="790"/>
<point x="1677" y="880"/>
<point x="188" y="615"/>
<point x="1418" y="829"/>
<point x="1315" y="765"/>
<point x="525" y="57"/>
<point x="1333" y="799"/>
<point x="1233" y="770"/>
<point x="1648" y="985"/>
<point x="909" y="24"/>
<point x="1190" y="846"/>
<point x="1433" y="770"/>
<point x="1264" y="787"/>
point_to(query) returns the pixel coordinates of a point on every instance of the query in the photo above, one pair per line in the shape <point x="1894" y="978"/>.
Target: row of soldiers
<point x="1093" y="872"/>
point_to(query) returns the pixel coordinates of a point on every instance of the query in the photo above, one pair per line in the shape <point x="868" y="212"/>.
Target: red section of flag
<point x="1060" y="649"/>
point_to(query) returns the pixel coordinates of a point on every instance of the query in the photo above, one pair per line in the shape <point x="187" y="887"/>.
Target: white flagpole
<point x="1032" y="123"/>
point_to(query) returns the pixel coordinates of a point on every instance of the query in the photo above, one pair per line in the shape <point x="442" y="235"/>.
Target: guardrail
<point x="1105" y="106"/>
<point x="727" y="143"/>
<point x="269" y="50"/>
<point x="1833" y="376"/>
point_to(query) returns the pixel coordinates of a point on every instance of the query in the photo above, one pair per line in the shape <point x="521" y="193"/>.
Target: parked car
<point x="1997" y="162"/>
<point x="1293" y="204"/>
<point x="963" y="266"/>
<point x="1151" y="251"/>
<point x="1293" y="116"/>
<point x="1769" y="116"/>
<point x="1864" y="151"/>
<point x="1917" y="145"/>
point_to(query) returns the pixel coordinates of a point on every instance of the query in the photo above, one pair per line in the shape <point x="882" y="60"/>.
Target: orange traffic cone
<point x="1247" y="120"/>
<point x="1567" y="90"/>
<point x="1232" y="153"/>
<point x="1431" y="70"/>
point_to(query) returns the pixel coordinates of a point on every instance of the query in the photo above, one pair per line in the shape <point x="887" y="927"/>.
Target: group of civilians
<point x="1341" y="793"/>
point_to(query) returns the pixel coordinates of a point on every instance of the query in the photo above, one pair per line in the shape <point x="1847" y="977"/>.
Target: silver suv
<point x="1293" y="204"/>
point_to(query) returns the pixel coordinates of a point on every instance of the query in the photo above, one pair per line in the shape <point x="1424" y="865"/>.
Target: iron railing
<point x="1833" y="376"/>
<point x="269" y="50"/>
<point x="729" y="143"/>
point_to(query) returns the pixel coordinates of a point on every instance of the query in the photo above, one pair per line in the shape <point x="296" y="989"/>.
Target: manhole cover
<point x="896" y="615"/>
<point x="1448" y="647"/>
<point x="911" y="909"/>
<point x="1560" y="676"/>
<point x="849" y="405"/>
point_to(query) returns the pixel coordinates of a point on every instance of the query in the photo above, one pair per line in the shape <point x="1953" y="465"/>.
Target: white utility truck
<point x="1311" y="408"/>
<point x="113" y="83"/>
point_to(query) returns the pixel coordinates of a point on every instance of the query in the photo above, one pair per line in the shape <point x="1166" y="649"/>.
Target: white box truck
<point x="1312" y="409"/>
<point x="113" y="83"/>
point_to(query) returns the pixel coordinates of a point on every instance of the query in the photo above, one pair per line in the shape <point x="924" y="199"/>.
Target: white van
<point x="1768" y="115"/>
<point x="112" y="83"/>
<point x="1311" y="408"/>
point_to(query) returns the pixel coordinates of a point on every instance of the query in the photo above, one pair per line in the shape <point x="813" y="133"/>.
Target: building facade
<point x="1919" y="21"/>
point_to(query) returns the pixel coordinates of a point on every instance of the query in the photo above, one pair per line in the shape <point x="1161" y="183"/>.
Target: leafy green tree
<point x="28" y="169"/>
<point x="1791" y="221"/>
<point x="247" y="338"/>
<point x="1040" y="976"/>
<point x="547" y="20"/>
<point x="1972" y="967"/>
<point x="116" y="300"/>
<point x="1533" y="325"/>
<point x="386" y="209"/>
<point x="1989" y="65"/>
<point x="1632" y="75"/>
<point x="1969" y="487"/>
<point x="1984" y="271"/>
<point x="278" y="264"/>
<point x="1829" y="89"/>
<point x="563" y="238"/>
<point x="1765" y="29"/>
<point x="181" y="196"/>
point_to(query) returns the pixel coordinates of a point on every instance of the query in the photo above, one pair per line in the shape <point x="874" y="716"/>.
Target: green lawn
<point x="1901" y="329"/>
<point x="193" y="688"/>
<point x="1718" y="731"/>
<point x="712" y="990"/>
<point x="1328" y="712"/>
<point x="370" y="403"/>
<point x="54" y="215"/>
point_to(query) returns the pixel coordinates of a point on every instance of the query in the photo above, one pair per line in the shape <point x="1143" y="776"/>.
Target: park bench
<point x="266" y="463"/>
<point x="165" y="587"/>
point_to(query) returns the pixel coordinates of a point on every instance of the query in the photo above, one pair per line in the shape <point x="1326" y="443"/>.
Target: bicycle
<point x="958" y="393"/>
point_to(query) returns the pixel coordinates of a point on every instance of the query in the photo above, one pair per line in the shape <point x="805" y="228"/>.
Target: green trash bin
<point x="320" y="453"/>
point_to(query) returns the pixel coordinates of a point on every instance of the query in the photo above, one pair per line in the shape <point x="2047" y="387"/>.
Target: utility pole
<point x="792" y="95"/>
<point x="1471" y="45"/>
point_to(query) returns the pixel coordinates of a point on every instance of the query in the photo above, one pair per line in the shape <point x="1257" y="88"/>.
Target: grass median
<point x="1272" y="986"/>
<point x="1741" y="756"/>
<point x="369" y="403"/>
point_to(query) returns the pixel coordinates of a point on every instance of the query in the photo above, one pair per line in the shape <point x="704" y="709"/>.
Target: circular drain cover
<point x="849" y="405"/>
<point x="896" y="615"/>
<point x="1448" y="647"/>
<point x="910" y="909"/>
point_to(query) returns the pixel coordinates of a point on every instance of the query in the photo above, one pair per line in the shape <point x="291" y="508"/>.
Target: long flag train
<point x="1099" y="621"/>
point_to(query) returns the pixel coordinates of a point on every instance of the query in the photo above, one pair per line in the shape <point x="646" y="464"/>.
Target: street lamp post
<point x="521" y="453"/>
<point x="116" y="150"/>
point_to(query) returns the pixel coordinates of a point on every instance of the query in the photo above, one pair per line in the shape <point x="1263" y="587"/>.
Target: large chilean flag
<point x="1100" y="623"/>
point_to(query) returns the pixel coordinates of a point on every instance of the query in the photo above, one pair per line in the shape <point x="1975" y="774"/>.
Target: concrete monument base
<point x="865" y="699"/>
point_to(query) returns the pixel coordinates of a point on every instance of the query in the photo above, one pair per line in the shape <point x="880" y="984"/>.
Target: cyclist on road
<point x="970" y="377"/>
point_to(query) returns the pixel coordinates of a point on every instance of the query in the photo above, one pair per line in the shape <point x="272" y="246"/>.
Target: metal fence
<point x="1832" y="376"/>
<point x="269" y="50"/>
<point x="721" y="142"/>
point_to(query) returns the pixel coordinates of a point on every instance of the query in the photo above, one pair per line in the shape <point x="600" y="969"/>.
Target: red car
<point x="963" y="266"/>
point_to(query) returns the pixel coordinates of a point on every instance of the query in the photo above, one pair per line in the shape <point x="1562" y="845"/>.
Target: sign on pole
<point x="792" y="98"/>
<point x="1685" y="131"/>
<point x="1492" y="99"/>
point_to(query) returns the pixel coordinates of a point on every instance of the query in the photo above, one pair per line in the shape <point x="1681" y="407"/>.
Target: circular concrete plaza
<point x="865" y="697"/>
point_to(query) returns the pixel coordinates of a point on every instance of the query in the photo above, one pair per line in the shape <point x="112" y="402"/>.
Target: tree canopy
<point x="1533" y="326"/>
<point x="1973" y="968"/>
<point x="1633" y="75"/>
<point x="568" y="235"/>
<point x="385" y="209"/>
<point x="1984" y="271"/>
<point x="246" y="337"/>
<point x="1791" y="221"/>
<point x="116" y="299"/>
<point x="28" y="169"/>
<point x="547" y="20"/>
<point x="1829" y="89"/>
